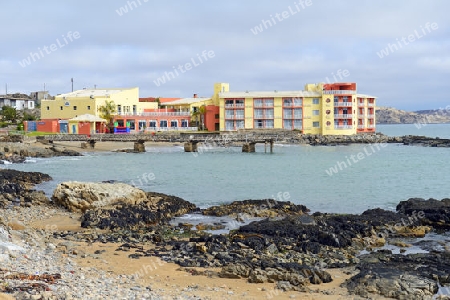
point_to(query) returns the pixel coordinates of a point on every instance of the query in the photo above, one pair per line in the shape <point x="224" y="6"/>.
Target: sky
<point x="398" y="51"/>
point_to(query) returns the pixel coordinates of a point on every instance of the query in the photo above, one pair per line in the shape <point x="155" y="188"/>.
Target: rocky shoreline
<point x="285" y="246"/>
<point x="19" y="152"/>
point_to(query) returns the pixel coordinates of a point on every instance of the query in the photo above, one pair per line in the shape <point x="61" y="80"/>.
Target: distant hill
<point x="390" y="115"/>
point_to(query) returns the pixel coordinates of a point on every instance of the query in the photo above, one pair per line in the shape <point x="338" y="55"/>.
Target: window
<point x="89" y="107"/>
<point x="315" y="112"/>
<point x="217" y="116"/>
<point x="263" y="102"/>
<point x="292" y="113"/>
<point x="74" y="107"/>
<point x="316" y="124"/>
<point x="48" y="107"/>
<point x="132" y="124"/>
<point x="142" y="124"/>
<point x="174" y="123"/>
<point x="298" y="101"/>
<point x="287" y="102"/>
<point x="60" y="108"/>
<point x="119" y="109"/>
<point x="316" y="100"/>
<point x="163" y="123"/>
<point x="152" y="123"/>
<point x="184" y="123"/>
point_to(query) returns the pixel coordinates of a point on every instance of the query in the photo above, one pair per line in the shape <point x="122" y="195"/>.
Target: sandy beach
<point x="170" y="279"/>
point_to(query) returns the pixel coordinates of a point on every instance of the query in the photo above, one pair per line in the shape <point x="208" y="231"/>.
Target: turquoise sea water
<point x="367" y="176"/>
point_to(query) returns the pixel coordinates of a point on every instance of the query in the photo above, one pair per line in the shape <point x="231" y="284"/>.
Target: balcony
<point x="238" y="105"/>
<point x="152" y="129"/>
<point x="370" y="116"/>
<point x="343" y="127"/>
<point x="361" y="126"/>
<point x="234" y="117"/>
<point x="344" y="116"/>
<point x="263" y="105"/>
<point x="371" y="104"/>
<point x="371" y="126"/>
<point x="361" y="104"/>
<point x="339" y="92"/>
<point x="157" y="113"/>
<point x="346" y="104"/>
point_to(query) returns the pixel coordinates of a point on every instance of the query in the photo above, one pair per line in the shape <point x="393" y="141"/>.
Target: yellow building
<point x="326" y="109"/>
<point x="88" y="101"/>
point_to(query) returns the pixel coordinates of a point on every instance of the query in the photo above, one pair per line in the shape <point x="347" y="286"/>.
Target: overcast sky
<point x="119" y="43"/>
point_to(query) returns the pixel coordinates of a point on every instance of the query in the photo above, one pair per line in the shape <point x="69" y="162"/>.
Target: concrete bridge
<point x="190" y="140"/>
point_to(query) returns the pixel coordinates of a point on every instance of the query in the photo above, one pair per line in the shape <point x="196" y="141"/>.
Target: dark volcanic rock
<point x="327" y="230"/>
<point x="412" y="276"/>
<point x="257" y="208"/>
<point x="430" y="212"/>
<point x="159" y="208"/>
<point x="15" y="188"/>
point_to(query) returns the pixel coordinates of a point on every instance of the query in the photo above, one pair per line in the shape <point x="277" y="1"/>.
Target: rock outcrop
<point x="256" y="208"/>
<point x="414" y="276"/>
<point x="18" y="152"/>
<point x="429" y="212"/>
<point x="16" y="188"/>
<point x="156" y="208"/>
<point x="81" y="196"/>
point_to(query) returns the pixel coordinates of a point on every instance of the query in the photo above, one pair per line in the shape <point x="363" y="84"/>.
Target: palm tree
<point x="107" y="112"/>
<point x="198" y="115"/>
<point x="202" y="112"/>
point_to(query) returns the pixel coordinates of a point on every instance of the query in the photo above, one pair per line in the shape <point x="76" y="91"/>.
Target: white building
<point x="18" y="101"/>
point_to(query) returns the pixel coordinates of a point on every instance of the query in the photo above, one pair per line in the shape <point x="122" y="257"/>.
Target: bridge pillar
<point x="139" y="146"/>
<point x="271" y="145"/>
<point x="248" y="147"/>
<point x="88" y="145"/>
<point x="190" y="146"/>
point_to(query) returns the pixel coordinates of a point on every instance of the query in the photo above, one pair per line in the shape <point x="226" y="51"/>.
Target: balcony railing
<point x="343" y="116"/>
<point x="156" y="113"/>
<point x="149" y="129"/>
<point x="239" y="105"/>
<point x="263" y="105"/>
<point x="361" y="104"/>
<point x="370" y="116"/>
<point x="343" y="127"/>
<point x="347" y="104"/>
<point x="361" y="126"/>
<point x="234" y="117"/>
<point x="370" y="126"/>
<point x="339" y="92"/>
<point x="371" y="104"/>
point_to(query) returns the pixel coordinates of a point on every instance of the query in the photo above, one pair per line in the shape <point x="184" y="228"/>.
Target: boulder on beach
<point x="81" y="196"/>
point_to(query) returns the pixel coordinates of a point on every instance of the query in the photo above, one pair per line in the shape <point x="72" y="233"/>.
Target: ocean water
<point x="343" y="179"/>
<point x="431" y="130"/>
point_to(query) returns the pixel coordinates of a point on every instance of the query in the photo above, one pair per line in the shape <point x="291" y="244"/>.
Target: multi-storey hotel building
<point x="327" y="109"/>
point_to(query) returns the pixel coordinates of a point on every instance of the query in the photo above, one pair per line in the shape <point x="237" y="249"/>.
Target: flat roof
<point x="269" y="94"/>
<point x="94" y="92"/>
<point x="365" y="96"/>
<point x="186" y="101"/>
